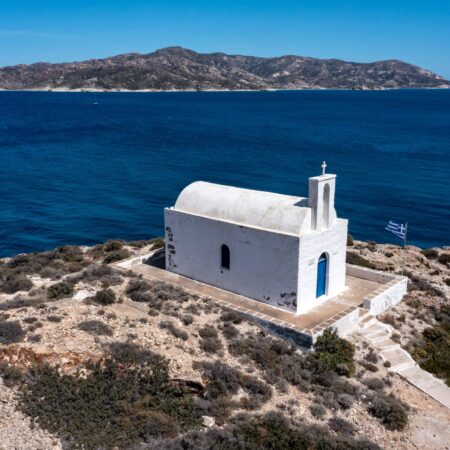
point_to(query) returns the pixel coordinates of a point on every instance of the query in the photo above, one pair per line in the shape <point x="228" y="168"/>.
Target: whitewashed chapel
<point x="282" y="250"/>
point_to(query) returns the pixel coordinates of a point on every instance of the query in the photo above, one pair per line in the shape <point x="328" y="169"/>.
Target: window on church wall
<point x="326" y="206"/>
<point x="225" y="257"/>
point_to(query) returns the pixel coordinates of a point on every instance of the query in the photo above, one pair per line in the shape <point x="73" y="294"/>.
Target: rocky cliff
<point x="176" y="68"/>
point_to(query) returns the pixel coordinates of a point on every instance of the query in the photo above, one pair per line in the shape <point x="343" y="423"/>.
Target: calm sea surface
<point x="75" y="173"/>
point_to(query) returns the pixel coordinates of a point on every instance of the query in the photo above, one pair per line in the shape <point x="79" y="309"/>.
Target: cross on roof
<point x="324" y="165"/>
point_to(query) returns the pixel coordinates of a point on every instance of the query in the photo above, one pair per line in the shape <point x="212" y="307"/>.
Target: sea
<point x="82" y="168"/>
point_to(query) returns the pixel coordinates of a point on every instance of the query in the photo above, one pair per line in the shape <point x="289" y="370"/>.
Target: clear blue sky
<point x="416" y="31"/>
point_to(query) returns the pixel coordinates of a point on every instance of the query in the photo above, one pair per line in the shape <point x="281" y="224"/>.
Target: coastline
<point x="94" y="90"/>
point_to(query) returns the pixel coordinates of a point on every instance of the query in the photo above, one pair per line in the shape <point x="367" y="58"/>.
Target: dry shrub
<point x="13" y="282"/>
<point x="391" y="412"/>
<point x="116" y="255"/>
<point x="95" y="327"/>
<point x="11" y="332"/>
<point x="265" y="432"/>
<point x="229" y="330"/>
<point x="120" y="401"/>
<point x="231" y="316"/>
<point x="102" y="273"/>
<point x="341" y="426"/>
<point x="177" y="332"/>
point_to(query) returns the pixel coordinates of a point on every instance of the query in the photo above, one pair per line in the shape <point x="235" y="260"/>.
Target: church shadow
<point x="158" y="259"/>
<point x="303" y="203"/>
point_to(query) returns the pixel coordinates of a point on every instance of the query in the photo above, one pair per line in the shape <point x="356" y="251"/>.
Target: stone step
<point x="378" y="336"/>
<point x="373" y="328"/>
<point x="399" y="359"/>
<point x="366" y="321"/>
<point x="387" y="344"/>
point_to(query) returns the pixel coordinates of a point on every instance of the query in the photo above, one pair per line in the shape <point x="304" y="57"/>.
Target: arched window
<point x="225" y="257"/>
<point x="326" y="206"/>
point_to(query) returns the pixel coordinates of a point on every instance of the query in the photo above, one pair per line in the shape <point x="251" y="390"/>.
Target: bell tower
<point x="321" y="200"/>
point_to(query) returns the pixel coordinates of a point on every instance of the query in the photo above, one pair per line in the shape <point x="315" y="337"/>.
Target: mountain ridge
<point x="178" y="68"/>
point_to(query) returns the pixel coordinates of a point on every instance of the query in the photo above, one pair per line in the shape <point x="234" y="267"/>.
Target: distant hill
<point x="176" y="68"/>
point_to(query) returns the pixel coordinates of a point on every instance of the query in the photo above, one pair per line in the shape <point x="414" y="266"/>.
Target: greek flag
<point x="398" y="229"/>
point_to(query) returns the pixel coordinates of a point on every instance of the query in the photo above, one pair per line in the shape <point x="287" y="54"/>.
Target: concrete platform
<point x="341" y="312"/>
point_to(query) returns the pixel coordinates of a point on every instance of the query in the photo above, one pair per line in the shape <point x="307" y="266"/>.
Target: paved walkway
<point x="379" y="334"/>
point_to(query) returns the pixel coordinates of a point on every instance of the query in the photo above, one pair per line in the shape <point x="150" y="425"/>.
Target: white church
<point x="283" y="250"/>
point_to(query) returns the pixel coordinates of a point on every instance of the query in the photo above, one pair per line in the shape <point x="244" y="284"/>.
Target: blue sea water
<point x="75" y="173"/>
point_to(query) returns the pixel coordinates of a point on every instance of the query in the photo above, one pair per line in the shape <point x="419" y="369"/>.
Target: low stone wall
<point x="370" y="274"/>
<point x="131" y="262"/>
<point x="347" y="324"/>
<point x="389" y="294"/>
<point x="291" y="334"/>
<point x="343" y="326"/>
<point x="386" y="296"/>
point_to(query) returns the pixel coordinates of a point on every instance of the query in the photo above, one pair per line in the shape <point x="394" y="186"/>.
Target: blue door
<point x="321" y="275"/>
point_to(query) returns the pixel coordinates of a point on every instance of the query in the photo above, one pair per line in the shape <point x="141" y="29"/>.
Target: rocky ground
<point x="59" y="320"/>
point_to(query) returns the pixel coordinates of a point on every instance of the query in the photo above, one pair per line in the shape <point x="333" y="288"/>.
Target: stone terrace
<point x="343" y="312"/>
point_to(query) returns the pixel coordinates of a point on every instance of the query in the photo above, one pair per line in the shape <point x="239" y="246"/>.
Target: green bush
<point x="350" y="241"/>
<point x="60" y="290"/>
<point x="333" y="351"/>
<point x="105" y="297"/>
<point x="433" y="354"/>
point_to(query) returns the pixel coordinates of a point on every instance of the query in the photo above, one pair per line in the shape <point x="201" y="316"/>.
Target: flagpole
<point x="403" y="251"/>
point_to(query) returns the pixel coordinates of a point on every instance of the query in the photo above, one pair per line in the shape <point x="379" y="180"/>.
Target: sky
<point x="415" y="31"/>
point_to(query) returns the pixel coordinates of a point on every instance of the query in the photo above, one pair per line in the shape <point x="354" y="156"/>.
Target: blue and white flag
<point x="398" y="229"/>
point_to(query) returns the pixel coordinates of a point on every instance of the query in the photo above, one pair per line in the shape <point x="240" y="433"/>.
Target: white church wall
<point x="264" y="265"/>
<point x="333" y="242"/>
